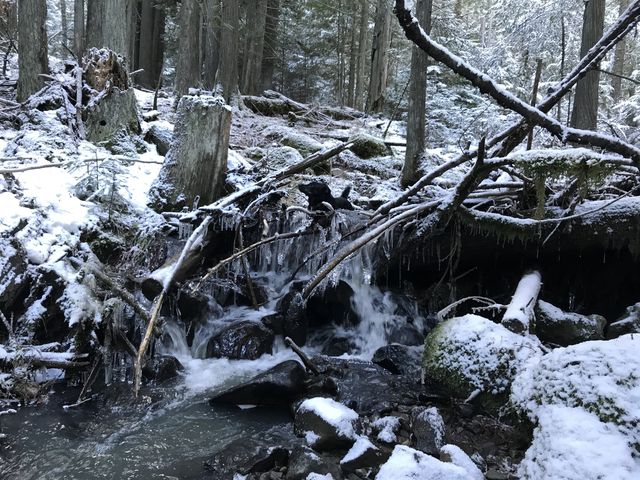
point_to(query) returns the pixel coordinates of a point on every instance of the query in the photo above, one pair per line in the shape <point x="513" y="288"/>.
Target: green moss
<point x="368" y="146"/>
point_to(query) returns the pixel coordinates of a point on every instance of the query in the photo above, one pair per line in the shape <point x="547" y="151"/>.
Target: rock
<point x="13" y="268"/>
<point x="408" y="464"/>
<point x="398" y="359"/>
<point x="563" y="328"/>
<point x="386" y="429"/>
<point x="455" y="455"/>
<point x="294" y="322"/>
<point x="304" y="462"/>
<point x="427" y="430"/>
<point x="628" y="323"/>
<point x="162" y="368"/>
<point x="243" y="340"/>
<point x="405" y="333"/>
<point x="245" y="457"/>
<point x="470" y="353"/>
<point x="326" y="424"/>
<point x="161" y="137"/>
<point x="336" y="346"/>
<point x="363" y="454"/>
<point x="290" y="137"/>
<point x="279" y="385"/>
<point x="368" y="146"/>
<point x="332" y="306"/>
<point x="281" y="157"/>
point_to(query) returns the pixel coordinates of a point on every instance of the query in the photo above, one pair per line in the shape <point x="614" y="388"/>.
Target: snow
<point x="332" y="412"/>
<point x="524" y="299"/>
<point x="406" y="463"/>
<point x="317" y="476"/>
<point x="361" y="445"/>
<point x="387" y="427"/>
<point x="457" y="457"/>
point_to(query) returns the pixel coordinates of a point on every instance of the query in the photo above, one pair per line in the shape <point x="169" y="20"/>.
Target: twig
<point x="303" y="356"/>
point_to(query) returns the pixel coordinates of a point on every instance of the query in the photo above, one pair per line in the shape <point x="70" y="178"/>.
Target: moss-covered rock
<point x="471" y="353"/>
<point x="368" y="146"/>
<point x="566" y="328"/>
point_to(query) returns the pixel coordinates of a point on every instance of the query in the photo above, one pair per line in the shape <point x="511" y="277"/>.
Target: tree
<point x="379" y="57"/>
<point x="227" y="75"/>
<point x="353" y="57"/>
<point x="618" y="60"/>
<point x="417" y="100"/>
<point x="211" y="20"/>
<point x="95" y="23"/>
<point x="362" y="54"/>
<point x="254" y="46"/>
<point x="585" y="105"/>
<point x="64" y="30"/>
<point x="117" y="27"/>
<point x="151" y="43"/>
<point x="188" y="62"/>
<point x="32" y="46"/>
<point x="78" y="28"/>
<point x="270" y="51"/>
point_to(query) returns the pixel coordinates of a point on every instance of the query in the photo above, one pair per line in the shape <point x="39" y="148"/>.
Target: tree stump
<point x="196" y="164"/>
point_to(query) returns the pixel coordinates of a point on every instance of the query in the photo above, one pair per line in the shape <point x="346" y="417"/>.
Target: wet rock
<point x="368" y="146"/>
<point x="471" y="353"/>
<point x="162" y="369"/>
<point x="246" y="457"/>
<point x="304" y="461"/>
<point x="326" y="424"/>
<point x="628" y="323"/>
<point x="366" y="387"/>
<point x="332" y="306"/>
<point x="279" y="385"/>
<point x="363" y="454"/>
<point x="427" y="430"/>
<point x="243" y="340"/>
<point x="405" y="333"/>
<point x="336" y="346"/>
<point x="564" y="328"/>
<point x="398" y="359"/>
<point x="13" y="267"/>
<point x="294" y="322"/>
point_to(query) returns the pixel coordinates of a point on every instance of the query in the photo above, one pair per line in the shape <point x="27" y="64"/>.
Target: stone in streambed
<point x="244" y="340"/>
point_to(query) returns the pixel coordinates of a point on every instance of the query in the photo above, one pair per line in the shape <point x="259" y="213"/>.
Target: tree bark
<point x="254" y="47"/>
<point x="211" y="12"/>
<point x="227" y="75"/>
<point x="618" y="59"/>
<point x="196" y="164"/>
<point x="95" y="24"/>
<point x="585" y="104"/>
<point x="151" y="44"/>
<point x="116" y="31"/>
<point x="362" y="55"/>
<point x="379" y="57"/>
<point x="270" y="53"/>
<point x="417" y="100"/>
<point x="353" y="57"/>
<point x="78" y="29"/>
<point x="188" y="64"/>
<point x="64" y="30"/>
<point x="32" y="46"/>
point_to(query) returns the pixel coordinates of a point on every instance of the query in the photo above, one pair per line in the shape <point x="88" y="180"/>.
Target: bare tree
<point x="379" y="57"/>
<point x="270" y="52"/>
<point x="417" y="100"/>
<point x="227" y="75"/>
<point x="151" y="43"/>
<point x="32" y="46"/>
<point x="78" y="28"/>
<point x="64" y="29"/>
<point x="353" y="57"/>
<point x="211" y="35"/>
<point x="188" y="63"/>
<point x="362" y="54"/>
<point x="254" y="46"/>
<point x="585" y="104"/>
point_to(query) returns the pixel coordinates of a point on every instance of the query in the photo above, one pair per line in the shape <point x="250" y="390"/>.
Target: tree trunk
<point x="417" y="100"/>
<point x="64" y="30"/>
<point x="188" y="63"/>
<point x="95" y="24"/>
<point x="151" y="45"/>
<point x="270" y="52"/>
<point x="618" y="59"/>
<point x="32" y="46"/>
<point x="379" y="57"/>
<point x="254" y="46"/>
<point x="210" y="12"/>
<point x="362" y="54"/>
<point x="78" y="29"/>
<point x="116" y="31"/>
<point x="229" y="42"/>
<point x="585" y="104"/>
<point x="353" y="57"/>
<point x="196" y="164"/>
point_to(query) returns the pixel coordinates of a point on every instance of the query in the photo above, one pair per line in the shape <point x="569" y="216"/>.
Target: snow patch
<point x="332" y="412"/>
<point x="408" y="464"/>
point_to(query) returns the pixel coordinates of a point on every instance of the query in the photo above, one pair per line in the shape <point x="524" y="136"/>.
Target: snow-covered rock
<point x="471" y="353"/>
<point x="363" y="454"/>
<point x="454" y="454"/>
<point x="628" y="323"/>
<point x="386" y="427"/>
<point x="565" y="328"/>
<point x="368" y="146"/>
<point x="290" y="137"/>
<point x="406" y="463"/>
<point x="326" y="424"/>
<point x="427" y="427"/>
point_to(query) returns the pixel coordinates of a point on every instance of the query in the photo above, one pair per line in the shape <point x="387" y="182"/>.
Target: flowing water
<point x="174" y="429"/>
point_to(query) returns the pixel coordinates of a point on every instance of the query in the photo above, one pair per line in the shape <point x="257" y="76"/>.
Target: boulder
<point x="427" y="430"/>
<point x="279" y="385"/>
<point x="628" y="323"/>
<point x="471" y="353"/>
<point x="564" y="328"/>
<point x="336" y="346"/>
<point x="162" y="368"/>
<point x="290" y="137"/>
<point x="243" y="340"/>
<point x="305" y="462"/>
<point x="406" y="463"/>
<point x="386" y="429"/>
<point x="368" y="146"/>
<point x="363" y="454"/>
<point x="398" y="359"/>
<point x="245" y="457"/>
<point x="161" y="137"/>
<point x="294" y="320"/>
<point x="405" y="333"/>
<point x="326" y="424"/>
<point x="455" y="455"/>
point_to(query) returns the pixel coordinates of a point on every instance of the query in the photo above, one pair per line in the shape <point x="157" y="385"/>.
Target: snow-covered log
<point x="520" y="312"/>
<point x="196" y="164"/>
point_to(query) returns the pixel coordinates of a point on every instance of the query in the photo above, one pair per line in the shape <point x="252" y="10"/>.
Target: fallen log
<point x="520" y="313"/>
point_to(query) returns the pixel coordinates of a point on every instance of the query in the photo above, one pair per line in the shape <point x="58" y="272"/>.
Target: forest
<point x="320" y="239"/>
